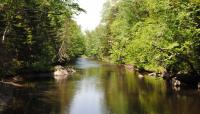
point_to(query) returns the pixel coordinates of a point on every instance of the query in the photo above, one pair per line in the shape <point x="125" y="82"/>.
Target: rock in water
<point x="60" y="73"/>
<point x="165" y="75"/>
<point x="140" y="76"/>
<point x="152" y="74"/>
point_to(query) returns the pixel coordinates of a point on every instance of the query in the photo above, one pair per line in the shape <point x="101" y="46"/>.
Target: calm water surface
<point x="99" y="88"/>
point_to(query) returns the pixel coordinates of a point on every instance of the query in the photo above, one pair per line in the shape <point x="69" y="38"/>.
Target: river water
<point x="99" y="88"/>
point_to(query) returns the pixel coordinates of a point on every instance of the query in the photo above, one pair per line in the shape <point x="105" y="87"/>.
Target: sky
<point x="91" y="19"/>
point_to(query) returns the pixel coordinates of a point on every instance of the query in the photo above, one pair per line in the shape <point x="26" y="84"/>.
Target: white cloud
<point x="91" y="19"/>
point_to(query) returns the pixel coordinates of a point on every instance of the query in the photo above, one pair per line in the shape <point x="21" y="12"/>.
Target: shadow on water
<point x="99" y="88"/>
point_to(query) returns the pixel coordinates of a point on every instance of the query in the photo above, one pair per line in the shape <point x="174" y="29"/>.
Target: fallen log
<point x="12" y="84"/>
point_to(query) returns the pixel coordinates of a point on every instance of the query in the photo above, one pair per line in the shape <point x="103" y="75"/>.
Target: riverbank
<point x="98" y="88"/>
<point x="176" y="80"/>
<point x="180" y="79"/>
<point x="19" y="80"/>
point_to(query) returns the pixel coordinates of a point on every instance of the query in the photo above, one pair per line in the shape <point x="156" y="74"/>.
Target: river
<point x="99" y="88"/>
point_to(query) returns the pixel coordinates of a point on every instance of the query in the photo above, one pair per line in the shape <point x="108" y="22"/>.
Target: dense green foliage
<point x="35" y="34"/>
<point x="157" y="35"/>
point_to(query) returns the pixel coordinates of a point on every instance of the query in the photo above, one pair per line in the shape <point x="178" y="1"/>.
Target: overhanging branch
<point x="180" y="56"/>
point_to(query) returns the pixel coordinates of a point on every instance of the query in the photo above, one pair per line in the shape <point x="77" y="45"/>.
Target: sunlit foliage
<point x="157" y="35"/>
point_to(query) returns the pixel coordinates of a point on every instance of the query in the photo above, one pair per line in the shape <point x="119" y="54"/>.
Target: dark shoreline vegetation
<point x="37" y="35"/>
<point x="161" y="36"/>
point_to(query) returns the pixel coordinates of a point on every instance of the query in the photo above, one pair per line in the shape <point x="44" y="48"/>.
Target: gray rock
<point x="60" y="73"/>
<point x="152" y="74"/>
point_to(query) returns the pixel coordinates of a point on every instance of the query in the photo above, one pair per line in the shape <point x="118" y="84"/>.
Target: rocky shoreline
<point x="176" y="80"/>
<point x="59" y="73"/>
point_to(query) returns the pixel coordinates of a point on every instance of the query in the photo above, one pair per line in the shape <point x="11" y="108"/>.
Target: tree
<point x="32" y="33"/>
<point x="155" y="35"/>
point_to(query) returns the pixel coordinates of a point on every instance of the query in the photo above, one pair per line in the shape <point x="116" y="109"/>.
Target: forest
<point x="143" y="57"/>
<point x="38" y="34"/>
<point x="155" y="35"/>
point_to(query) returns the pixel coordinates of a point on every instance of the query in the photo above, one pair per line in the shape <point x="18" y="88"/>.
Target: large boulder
<point x="60" y="73"/>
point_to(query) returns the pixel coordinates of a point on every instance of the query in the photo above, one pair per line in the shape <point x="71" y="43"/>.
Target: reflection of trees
<point x="6" y="94"/>
<point x="124" y="93"/>
<point x="43" y="98"/>
<point x="127" y="94"/>
<point x="152" y="96"/>
<point x="117" y="88"/>
<point x="160" y="99"/>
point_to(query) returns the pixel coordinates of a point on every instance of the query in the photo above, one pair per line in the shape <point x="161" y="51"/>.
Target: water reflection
<point x="89" y="95"/>
<point x="99" y="89"/>
<point x="83" y="63"/>
<point x="88" y="98"/>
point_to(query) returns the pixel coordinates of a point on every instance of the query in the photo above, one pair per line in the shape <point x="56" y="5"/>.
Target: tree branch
<point x="180" y="56"/>
<point x="4" y="34"/>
